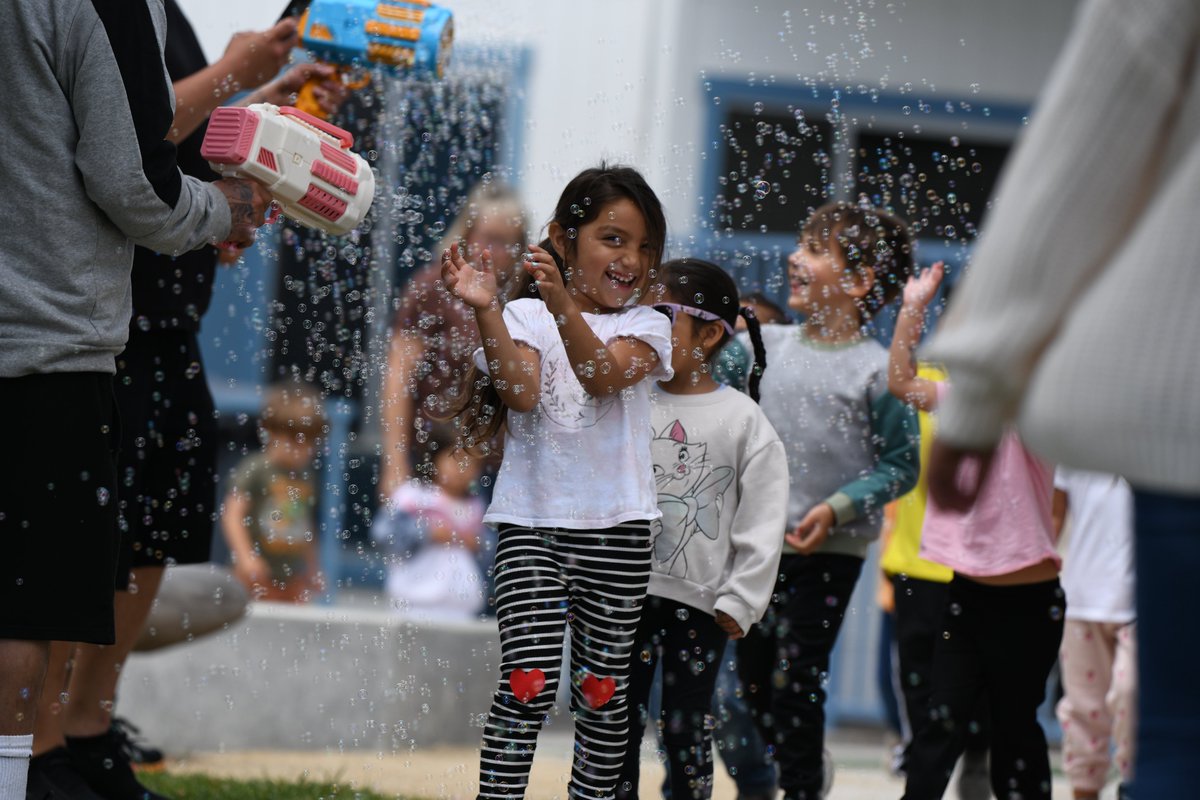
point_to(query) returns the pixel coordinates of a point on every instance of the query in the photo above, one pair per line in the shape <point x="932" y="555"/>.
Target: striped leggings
<point x="591" y="582"/>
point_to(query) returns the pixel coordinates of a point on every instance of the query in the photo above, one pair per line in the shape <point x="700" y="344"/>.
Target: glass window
<point x="775" y="166"/>
<point x="941" y="185"/>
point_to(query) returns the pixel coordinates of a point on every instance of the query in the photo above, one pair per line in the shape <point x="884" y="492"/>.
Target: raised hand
<point x="922" y="287"/>
<point x="551" y="288"/>
<point x="475" y="286"/>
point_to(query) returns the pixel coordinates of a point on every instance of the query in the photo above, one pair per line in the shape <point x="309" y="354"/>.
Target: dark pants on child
<point x="549" y="580"/>
<point x="738" y="741"/>
<point x="998" y="643"/>
<point x="735" y="738"/>
<point x="689" y="644"/>
<point x="920" y="610"/>
<point x="784" y="663"/>
<point x="1168" y="561"/>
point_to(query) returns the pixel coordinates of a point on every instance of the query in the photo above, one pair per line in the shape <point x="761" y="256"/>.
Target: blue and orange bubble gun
<point x="405" y="36"/>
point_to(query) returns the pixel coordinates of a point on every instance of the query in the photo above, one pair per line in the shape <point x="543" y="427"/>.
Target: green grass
<point x="201" y="787"/>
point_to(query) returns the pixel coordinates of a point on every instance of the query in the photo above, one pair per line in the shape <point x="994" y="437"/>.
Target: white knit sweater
<point x="1080" y="316"/>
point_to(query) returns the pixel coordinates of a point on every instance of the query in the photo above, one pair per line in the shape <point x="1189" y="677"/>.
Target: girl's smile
<point x="611" y="258"/>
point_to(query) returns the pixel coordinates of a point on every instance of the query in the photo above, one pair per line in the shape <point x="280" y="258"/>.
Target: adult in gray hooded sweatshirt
<point x="85" y="174"/>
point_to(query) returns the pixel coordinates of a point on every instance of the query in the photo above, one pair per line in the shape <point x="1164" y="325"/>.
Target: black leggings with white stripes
<point x="548" y="580"/>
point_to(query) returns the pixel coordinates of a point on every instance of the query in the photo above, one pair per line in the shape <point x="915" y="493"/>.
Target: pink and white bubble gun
<point x="305" y="162"/>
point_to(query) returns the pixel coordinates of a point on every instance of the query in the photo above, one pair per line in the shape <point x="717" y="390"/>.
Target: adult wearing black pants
<point x="1078" y="318"/>
<point x="166" y="477"/>
<point x="86" y="174"/>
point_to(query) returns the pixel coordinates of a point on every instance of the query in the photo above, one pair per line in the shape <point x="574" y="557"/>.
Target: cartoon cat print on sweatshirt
<point x="691" y="493"/>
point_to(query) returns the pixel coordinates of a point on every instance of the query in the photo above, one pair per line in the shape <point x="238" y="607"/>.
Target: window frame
<point x="975" y="118"/>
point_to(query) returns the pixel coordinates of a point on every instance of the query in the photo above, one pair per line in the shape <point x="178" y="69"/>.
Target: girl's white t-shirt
<point x="577" y="461"/>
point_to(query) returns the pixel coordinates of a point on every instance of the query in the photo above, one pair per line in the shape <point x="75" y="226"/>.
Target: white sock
<point x="14" y="765"/>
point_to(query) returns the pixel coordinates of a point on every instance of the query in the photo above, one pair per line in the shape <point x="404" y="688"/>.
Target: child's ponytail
<point x="759" y="365"/>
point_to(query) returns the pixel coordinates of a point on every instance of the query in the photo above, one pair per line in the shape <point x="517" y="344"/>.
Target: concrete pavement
<point x="450" y="773"/>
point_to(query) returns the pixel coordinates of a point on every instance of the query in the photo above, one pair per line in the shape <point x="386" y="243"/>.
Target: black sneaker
<point x="142" y="756"/>
<point x="52" y="776"/>
<point x="106" y="768"/>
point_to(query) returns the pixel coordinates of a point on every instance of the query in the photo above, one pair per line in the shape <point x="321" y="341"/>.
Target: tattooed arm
<point x="248" y="202"/>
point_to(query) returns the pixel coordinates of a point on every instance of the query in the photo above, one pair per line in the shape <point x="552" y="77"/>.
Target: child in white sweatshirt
<point x="721" y="476"/>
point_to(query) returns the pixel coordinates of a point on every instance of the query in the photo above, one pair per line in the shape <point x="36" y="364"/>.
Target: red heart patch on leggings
<point x="526" y="685"/>
<point x="598" y="691"/>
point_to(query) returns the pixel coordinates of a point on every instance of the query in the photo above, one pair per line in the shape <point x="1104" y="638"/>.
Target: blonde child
<point x="1004" y="608"/>
<point x="851" y="449"/>
<point x="433" y="333"/>
<point x="269" y="519"/>
<point x="574" y="499"/>
<point x="721" y="477"/>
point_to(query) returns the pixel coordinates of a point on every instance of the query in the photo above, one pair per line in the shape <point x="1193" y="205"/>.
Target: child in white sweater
<point x="721" y="476"/>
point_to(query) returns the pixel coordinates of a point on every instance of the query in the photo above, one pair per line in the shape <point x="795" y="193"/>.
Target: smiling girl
<point x="575" y="495"/>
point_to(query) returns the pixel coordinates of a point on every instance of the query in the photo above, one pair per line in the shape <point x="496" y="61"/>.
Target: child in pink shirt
<point x="1005" y="607"/>
<point x="1015" y="498"/>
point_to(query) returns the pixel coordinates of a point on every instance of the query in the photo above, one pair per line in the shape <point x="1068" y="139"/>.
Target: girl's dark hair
<point x="865" y="238"/>
<point x="481" y="412"/>
<point x="774" y="312"/>
<point x="702" y="284"/>
<point x="592" y="190"/>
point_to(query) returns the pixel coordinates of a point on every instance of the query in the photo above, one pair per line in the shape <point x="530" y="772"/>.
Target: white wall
<point x="620" y="79"/>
